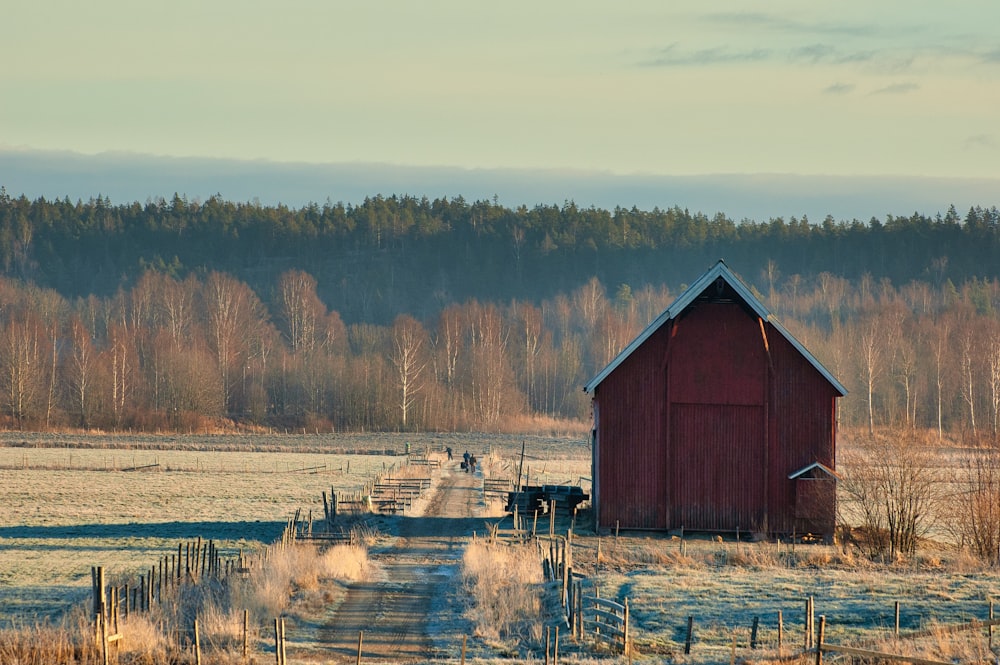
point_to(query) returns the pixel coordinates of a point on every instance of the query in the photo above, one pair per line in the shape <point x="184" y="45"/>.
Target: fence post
<point x="246" y="630"/>
<point x="197" y="644"/>
<point x="627" y="651"/>
<point x="808" y="637"/>
<point x="361" y="635"/>
<point x="991" y="626"/>
<point x="277" y="641"/>
<point x="687" y="639"/>
<point x="463" y="649"/>
<point x="579" y="613"/>
<point x="819" y="639"/>
<point x="753" y="633"/>
<point x="781" y="632"/>
<point x="897" y="618"/>
<point x="97" y="577"/>
<point x="284" y="655"/>
<point x="105" y="656"/>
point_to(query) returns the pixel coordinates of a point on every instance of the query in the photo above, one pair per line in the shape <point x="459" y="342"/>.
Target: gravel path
<point x="410" y="614"/>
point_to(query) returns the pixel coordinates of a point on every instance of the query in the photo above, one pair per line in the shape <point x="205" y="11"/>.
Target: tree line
<point x="415" y="255"/>
<point x="181" y="354"/>
<point x="406" y="313"/>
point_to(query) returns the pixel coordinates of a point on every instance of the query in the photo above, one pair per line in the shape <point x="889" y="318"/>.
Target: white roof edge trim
<point x="720" y="269"/>
<point x="814" y="465"/>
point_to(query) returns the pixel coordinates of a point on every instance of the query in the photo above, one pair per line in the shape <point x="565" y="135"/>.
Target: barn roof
<point x="720" y="269"/>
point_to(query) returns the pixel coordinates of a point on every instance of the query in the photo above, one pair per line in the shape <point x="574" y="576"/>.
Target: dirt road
<point x="411" y="614"/>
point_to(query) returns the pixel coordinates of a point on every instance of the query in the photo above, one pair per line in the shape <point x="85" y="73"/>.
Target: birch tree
<point x="407" y="358"/>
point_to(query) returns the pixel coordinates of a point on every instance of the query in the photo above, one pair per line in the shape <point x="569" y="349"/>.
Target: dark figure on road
<point x="472" y="464"/>
<point x="448" y="450"/>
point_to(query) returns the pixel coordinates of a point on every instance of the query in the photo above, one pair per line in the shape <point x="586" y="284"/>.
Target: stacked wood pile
<point x="537" y="499"/>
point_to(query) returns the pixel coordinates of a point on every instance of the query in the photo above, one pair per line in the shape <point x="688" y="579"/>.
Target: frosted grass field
<point x="67" y="510"/>
<point x="70" y="501"/>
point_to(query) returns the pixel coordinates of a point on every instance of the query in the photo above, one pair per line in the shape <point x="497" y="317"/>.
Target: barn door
<point x="718" y="466"/>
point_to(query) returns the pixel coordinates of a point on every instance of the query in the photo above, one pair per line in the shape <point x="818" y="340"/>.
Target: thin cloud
<point x="820" y="54"/>
<point x="781" y="23"/>
<point x="897" y="89"/>
<point x="992" y="57"/>
<point x="981" y="141"/>
<point x="839" y="89"/>
<point x="672" y="56"/>
<point x="675" y="55"/>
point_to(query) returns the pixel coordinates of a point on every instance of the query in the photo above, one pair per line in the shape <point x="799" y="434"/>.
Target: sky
<point x="750" y="108"/>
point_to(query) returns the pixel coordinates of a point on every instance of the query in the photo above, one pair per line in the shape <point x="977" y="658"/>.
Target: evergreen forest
<point x="406" y="313"/>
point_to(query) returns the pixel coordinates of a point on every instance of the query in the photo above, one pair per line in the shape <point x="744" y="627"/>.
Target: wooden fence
<point x="199" y="561"/>
<point x="587" y="615"/>
<point x="606" y="621"/>
<point x="822" y="646"/>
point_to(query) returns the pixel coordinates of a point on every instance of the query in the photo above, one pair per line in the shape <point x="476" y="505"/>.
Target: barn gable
<point x="700" y="420"/>
<point x="719" y="271"/>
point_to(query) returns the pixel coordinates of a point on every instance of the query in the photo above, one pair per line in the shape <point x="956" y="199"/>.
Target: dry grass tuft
<point x="42" y="644"/>
<point x="298" y="570"/>
<point x="346" y="563"/>
<point x="143" y="641"/>
<point x="965" y="562"/>
<point x="942" y="645"/>
<point x="545" y="426"/>
<point x="754" y="556"/>
<point x="504" y="584"/>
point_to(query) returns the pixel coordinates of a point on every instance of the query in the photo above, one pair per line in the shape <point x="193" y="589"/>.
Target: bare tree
<point x="233" y="314"/>
<point x="993" y="368"/>
<point x="489" y="373"/>
<point x="406" y="356"/>
<point x="80" y="370"/>
<point x="20" y="359"/>
<point x="871" y="354"/>
<point x="590" y="301"/>
<point x="448" y="342"/>
<point x="529" y="326"/>
<point x="177" y="305"/>
<point x="975" y="518"/>
<point x="301" y="309"/>
<point x="940" y="339"/>
<point x="969" y="363"/>
<point x="892" y="484"/>
<point x="122" y="370"/>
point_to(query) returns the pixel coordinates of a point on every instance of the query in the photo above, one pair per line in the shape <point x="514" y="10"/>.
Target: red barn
<point x="715" y="419"/>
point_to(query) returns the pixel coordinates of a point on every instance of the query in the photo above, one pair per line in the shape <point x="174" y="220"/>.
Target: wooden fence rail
<point x="606" y="621"/>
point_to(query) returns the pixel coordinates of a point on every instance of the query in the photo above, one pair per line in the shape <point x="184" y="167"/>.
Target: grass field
<point x="67" y="511"/>
<point x="73" y="501"/>
<point x="724" y="586"/>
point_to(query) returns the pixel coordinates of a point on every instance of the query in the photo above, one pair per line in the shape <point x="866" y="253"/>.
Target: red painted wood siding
<point x="701" y="426"/>
<point x="804" y="426"/>
<point x="721" y="472"/>
<point x="631" y="460"/>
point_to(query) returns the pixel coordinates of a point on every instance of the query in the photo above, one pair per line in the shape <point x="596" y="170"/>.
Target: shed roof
<point x="720" y="269"/>
<point x="815" y="466"/>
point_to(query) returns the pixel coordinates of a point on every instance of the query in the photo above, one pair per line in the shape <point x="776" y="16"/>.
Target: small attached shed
<point x="715" y="418"/>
